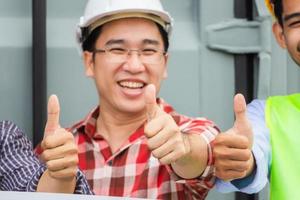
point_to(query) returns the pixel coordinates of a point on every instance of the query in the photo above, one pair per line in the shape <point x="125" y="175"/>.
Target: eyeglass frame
<point x="127" y="53"/>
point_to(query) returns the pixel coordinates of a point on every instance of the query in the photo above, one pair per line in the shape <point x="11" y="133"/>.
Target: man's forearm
<point x="193" y="164"/>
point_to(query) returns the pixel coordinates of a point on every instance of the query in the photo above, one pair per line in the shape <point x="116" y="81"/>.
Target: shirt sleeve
<point x="20" y="169"/>
<point x="82" y="186"/>
<point x="261" y="151"/>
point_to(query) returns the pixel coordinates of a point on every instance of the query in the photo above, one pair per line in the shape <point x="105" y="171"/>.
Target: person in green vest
<point x="276" y="144"/>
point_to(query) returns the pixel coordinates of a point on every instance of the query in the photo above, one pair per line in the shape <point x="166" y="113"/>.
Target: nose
<point x="133" y="63"/>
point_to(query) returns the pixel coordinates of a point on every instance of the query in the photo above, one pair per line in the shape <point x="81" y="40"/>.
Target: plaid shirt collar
<point x="88" y="124"/>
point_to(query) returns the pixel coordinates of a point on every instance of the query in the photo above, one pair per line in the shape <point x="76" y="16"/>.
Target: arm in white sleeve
<point x="262" y="154"/>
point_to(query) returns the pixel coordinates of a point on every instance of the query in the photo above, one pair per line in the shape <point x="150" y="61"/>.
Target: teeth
<point x="132" y="85"/>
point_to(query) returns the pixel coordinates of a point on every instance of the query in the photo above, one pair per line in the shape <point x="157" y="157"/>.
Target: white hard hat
<point x="98" y="12"/>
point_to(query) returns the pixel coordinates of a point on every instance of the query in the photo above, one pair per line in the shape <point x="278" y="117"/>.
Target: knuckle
<point x="217" y="140"/>
<point x="177" y="142"/>
<point x="156" y="154"/>
<point x="245" y="141"/>
<point x="50" y="165"/>
<point x="69" y="135"/>
<point x="47" y="143"/>
<point x="243" y="166"/>
<point x="247" y="154"/>
<point x="74" y="148"/>
<point x="74" y="161"/>
<point x="164" y="161"/>
<point x="74" y="171"/>
<point x="220" y="174"/>
<point x="218" y="164"/>
<point x="173" y="128"/>
<point x="226" y="154"/>
<point x="71" y="148"/>
<point x="218" y="156"/>
<point x="221" y="153"/>
<point x="53" y="174"/>
<point x="150" y="145"/>
<point x="45" y="156"/>
<point x="71" y="172"/>
<point x="65" y="134"/>
<point x="223" y="164"/>
<point x="221" y="139"/>
<point x="216" y="152"/>
<point x="242" y="174"/>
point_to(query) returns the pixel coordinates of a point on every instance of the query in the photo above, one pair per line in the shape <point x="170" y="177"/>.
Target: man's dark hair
<point x="89" y="43"/>
<point x="278" y="10"/>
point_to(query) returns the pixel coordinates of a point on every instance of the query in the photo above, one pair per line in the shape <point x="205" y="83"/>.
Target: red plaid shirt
<point x="132" y="171"/>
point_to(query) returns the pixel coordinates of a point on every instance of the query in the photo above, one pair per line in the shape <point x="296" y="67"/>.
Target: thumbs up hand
<point x="59" y="148"/>
<point x="232" y="149"/>
<point x="165" y="140"/>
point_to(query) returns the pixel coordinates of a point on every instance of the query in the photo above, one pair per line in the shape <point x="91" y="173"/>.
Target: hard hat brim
<point x="125" y="13"/>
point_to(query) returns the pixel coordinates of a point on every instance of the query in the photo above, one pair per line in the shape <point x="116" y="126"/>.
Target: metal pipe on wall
<point x="39" y="69"/>
<point x="244" y="71"/>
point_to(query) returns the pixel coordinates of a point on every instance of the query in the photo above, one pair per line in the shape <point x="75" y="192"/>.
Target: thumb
<point x="242" y="125"/>
<point x="53" y="115"/>
<point x="150" y="100"/>
<point x="239" y="106"/>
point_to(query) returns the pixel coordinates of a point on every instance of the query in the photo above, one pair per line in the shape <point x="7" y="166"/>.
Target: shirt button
<point x="110" y="163"/>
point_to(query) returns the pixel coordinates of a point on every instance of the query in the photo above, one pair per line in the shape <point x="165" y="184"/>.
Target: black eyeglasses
<point x="120" y="54"/>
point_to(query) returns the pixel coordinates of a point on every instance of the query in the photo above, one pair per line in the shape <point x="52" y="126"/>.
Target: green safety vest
<point x="283" y="121"/>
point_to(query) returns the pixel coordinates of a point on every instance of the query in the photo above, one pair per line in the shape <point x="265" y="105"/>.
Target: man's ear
<point x="88" y="61"/>
<point x="279" y="35"/>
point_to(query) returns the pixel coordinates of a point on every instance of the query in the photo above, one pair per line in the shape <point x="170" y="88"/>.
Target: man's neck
<point x="116" y="127"/>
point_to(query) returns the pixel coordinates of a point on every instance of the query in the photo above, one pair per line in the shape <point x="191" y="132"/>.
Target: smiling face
<point x="121" y="85"/>
<point x="288" y="35"/>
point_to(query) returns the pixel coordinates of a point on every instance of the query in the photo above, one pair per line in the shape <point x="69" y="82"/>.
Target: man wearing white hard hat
<point x="134" y="144"/>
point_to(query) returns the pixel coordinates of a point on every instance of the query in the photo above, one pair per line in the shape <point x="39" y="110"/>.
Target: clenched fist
<point x="59" y="148"/>
<point x="232" y="149"/>
<point x="165" y="140"/>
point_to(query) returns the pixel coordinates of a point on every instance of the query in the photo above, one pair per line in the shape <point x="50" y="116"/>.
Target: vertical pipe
<point x="39" y="73"/>
<point x="244" y="71"/>
<point x="244" y="64"/>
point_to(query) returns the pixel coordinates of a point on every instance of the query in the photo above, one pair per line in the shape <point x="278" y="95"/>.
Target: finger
<point x="232" y="154"/>
<point x="64" y="173"/>
<point x="175" y="147"/>
<point x="59" y="152"/>
<point x="62" y="137"/>
<point x="162" y="151"/>
<point x="169" y="158"/>
<point x="157" y="140"/>
<point x="62" y="163"/>
<point x="154" y="126"/>
<point x="231" y="140"/>
<point x="240" y="109"/>
<point x="229" y="175"/>
<point x="233" y="165"/>
<point x="150" y="100"/>
<point x="53" y="115"/>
